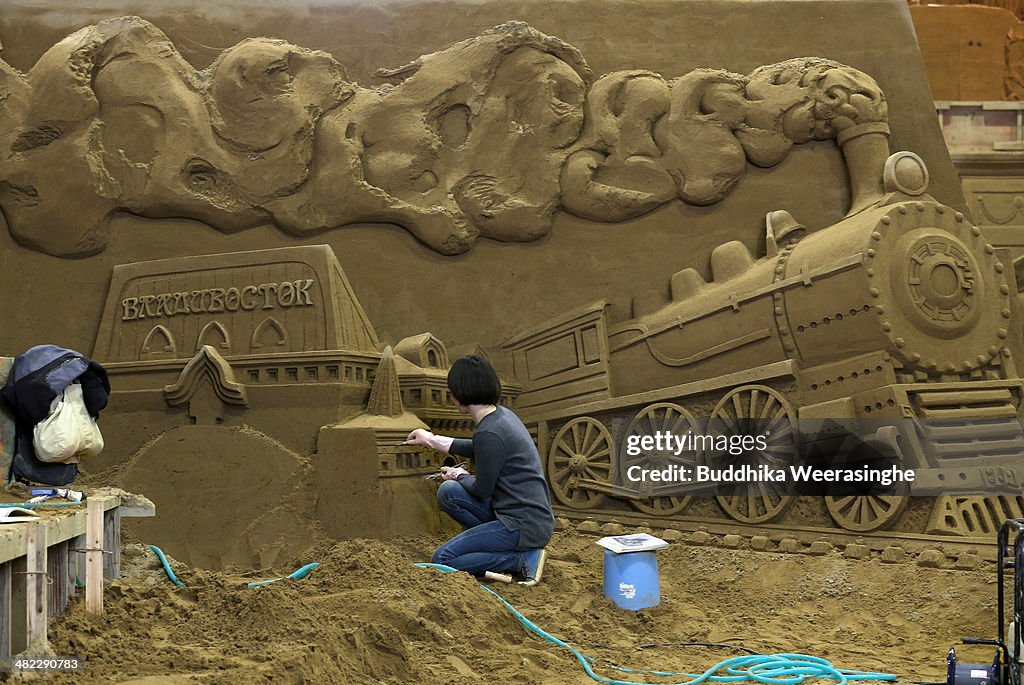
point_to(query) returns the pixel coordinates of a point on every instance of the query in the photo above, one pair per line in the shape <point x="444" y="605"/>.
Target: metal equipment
<point x="1005" y="668"/>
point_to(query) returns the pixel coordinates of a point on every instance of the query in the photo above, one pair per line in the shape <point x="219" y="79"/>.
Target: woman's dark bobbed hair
<point x="472" y="380"/>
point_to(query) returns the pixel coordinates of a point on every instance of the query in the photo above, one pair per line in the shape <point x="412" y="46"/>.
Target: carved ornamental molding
<point x="207" y="365"/>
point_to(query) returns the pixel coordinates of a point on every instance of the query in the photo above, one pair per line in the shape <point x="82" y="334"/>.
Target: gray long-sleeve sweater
<point x="509" y="475"/>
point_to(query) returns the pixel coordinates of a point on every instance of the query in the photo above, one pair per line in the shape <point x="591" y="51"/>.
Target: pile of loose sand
<point x="367" y="615"/>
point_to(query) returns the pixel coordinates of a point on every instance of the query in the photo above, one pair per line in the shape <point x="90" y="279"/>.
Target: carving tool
<point x="433" y="476"/>
<point x="43" y="494"/>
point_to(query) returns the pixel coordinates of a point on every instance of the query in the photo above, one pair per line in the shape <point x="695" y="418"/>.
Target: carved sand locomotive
<point x="899" y="312"/>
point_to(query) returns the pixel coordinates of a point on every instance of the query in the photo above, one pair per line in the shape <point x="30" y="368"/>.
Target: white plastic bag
<point x="68" y="432"/>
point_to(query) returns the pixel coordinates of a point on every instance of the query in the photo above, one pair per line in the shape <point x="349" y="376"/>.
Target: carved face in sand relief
<point x="490" y="137"/>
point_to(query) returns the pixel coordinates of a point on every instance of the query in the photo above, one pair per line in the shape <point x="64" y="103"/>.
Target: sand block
<point x="732" y="540"/>
<point x="931" y="558"/>
<point x="893" y="554"/>
<point x="968" y="561"/>
<point x="856" y="551"/>
<point x="819" y="547"/>
<point x="133" y="505"/>
<point x="699" y="537"/>
<point x="346" y="489"/>
<point x="790" y="545"/>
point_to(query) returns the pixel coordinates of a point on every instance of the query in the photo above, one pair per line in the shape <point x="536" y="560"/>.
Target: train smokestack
<point x="865" y="148"/>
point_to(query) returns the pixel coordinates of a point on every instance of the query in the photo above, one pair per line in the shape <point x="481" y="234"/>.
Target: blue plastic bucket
<point x="631" y="579"/>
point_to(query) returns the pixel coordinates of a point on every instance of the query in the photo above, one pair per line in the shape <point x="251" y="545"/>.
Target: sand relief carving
<point x="468" y="143"/>
<point x="1013" y="213"/>
<point x="487" y="138"/>
<point x="647" y="140"/>
<point x="333" y="391"/>
<point x="892" y="323"/>
<point x="270" y="333"/>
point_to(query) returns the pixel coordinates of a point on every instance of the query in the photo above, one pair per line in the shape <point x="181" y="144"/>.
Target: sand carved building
<point x="638" y="178"/>
<point x="272" y="347"/>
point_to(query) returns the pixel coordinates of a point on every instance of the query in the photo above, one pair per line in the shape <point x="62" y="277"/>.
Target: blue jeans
<point x="485" y="544"/>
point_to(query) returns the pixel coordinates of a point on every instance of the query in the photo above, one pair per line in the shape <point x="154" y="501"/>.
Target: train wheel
<point x="754" y="410"/>
<point x="582" y="449"/>
<point x="863" y="513"/>
<point x="663" y="416"/>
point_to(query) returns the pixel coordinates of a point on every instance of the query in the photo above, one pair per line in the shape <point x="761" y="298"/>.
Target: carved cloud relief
<point x="490" y="137"/>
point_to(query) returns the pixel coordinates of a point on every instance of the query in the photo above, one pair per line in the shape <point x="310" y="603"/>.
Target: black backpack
<point x="37" y="377"/>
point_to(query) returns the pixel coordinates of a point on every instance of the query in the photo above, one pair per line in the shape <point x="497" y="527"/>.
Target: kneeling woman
<point x="505" y="508"/>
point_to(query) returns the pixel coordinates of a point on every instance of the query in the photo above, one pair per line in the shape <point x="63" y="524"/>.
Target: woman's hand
<point x="420" y="436"/>
<point x="452" y="472"/>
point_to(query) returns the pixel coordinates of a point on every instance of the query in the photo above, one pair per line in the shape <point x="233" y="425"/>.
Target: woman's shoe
<point x="533" y="566"/>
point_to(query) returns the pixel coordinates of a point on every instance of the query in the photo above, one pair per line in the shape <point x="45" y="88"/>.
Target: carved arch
<point x="269" y="334"/>
<point x="159" y="344"/>
<point x="215" y="335"/>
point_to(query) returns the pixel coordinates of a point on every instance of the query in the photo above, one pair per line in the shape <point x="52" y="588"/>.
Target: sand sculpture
<point x="488" y="138"/>
<point x="498" y="137"/>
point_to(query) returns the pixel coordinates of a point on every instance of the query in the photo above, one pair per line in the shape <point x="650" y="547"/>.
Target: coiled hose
<point x="770" y="669"/>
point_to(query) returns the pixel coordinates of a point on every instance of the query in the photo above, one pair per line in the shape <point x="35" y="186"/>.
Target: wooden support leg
<point x="76" y="564"/>
<point x="57" y="569"/>
<point x="112" y="544"/>
<point x="5" y="611"/>
<point x="19" y="586"/>
<point x="94" y="557"/>
<point x="36" y="598"/>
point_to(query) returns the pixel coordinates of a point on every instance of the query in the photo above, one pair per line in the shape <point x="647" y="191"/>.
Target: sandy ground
<point x="367" y="615"/>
